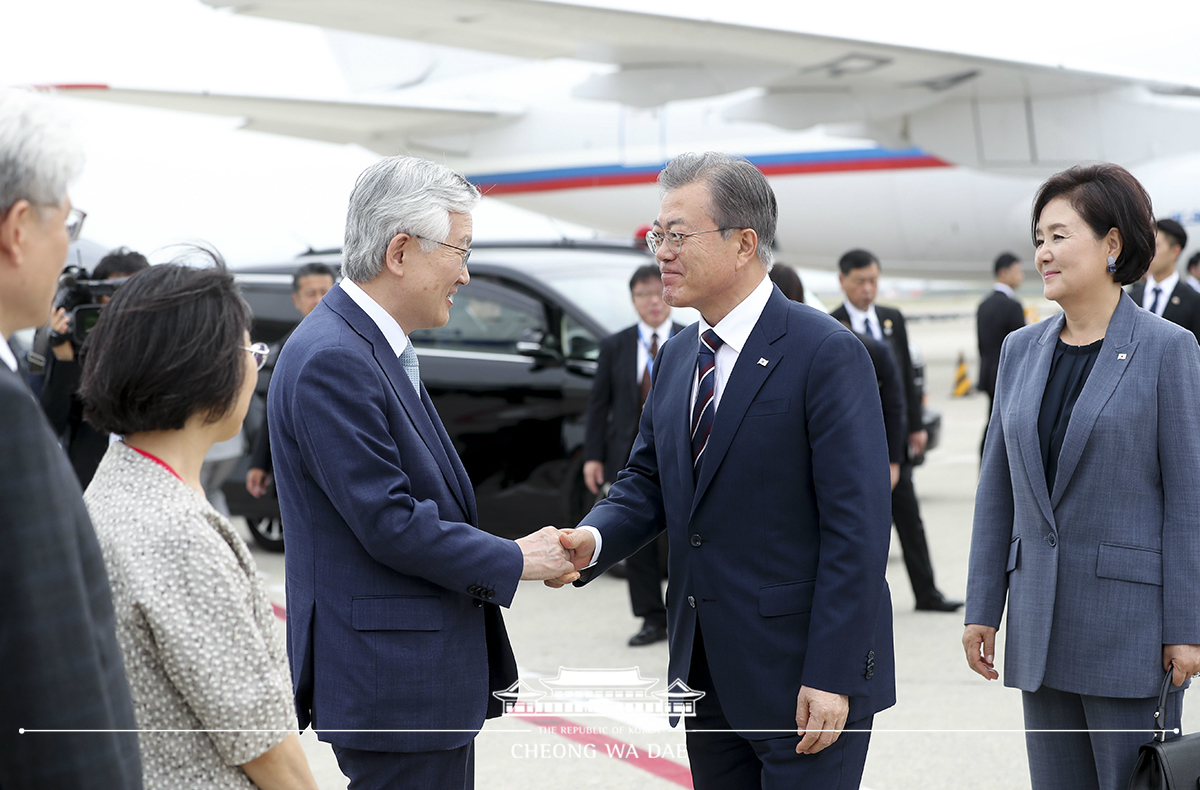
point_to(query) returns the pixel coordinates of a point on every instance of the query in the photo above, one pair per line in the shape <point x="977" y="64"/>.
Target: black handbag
<point x="1163" y="764"/>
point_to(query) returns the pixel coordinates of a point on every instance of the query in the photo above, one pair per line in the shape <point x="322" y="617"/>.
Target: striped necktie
<point x="706" y="407"/>
<point x="408" y="359"/>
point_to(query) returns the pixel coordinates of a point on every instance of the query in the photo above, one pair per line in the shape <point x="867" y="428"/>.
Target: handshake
<point x="556" y="556"/>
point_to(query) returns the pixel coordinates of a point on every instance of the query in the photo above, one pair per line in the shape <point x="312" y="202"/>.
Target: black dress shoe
<point x="649" y="634"/>
<point x="938" y="603"/>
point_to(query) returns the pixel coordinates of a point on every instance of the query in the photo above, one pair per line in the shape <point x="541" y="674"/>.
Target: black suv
<point x="509" y="374"/>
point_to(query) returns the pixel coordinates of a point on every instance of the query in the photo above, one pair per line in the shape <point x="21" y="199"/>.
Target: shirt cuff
<point x="599" y="542"/>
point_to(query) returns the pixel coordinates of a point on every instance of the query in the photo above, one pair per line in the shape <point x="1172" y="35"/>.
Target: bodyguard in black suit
<point x="622" y="382"/>
<point x="998" y="314"/>
<point x="1162" y="292"/>
<point x="859" y="278"/>
<point x="60" y="665"/>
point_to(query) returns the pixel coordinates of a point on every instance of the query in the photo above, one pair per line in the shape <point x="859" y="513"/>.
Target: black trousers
<point x="645" y="571"/>
<point x="906" y="515"/>
<point x="723" y="760"/>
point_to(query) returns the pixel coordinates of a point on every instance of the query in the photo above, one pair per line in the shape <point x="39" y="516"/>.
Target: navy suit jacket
<point x="391" y="587"/>
<point x="779" y="548"/>
<point x="1101" y="570"/>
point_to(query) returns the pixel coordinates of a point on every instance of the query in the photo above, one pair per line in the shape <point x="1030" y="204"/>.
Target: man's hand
<point x="257" y="481"/>
<point x="546" y="557"/>
<point x="918" y="440"/>
<point x="593" y="475"/>
<point x="979" y="641"/>
<point x="894" y="469"/>
<point x="580" y="545"/>
<point x="820" y="718"/>
<point x="1186" y="659"/>
<point x="60" y="322"/>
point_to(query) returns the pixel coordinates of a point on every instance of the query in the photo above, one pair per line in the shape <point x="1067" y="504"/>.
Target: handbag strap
<point x="1160" y="714"/>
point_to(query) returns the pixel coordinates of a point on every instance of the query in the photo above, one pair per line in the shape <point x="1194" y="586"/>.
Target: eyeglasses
<point x="466" y="253"/>
<point x="654" y="239"/>
<point x="75" y="220"/>
<point x="259" y="351"/>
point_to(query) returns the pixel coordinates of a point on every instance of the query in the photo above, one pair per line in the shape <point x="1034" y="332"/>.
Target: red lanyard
<point x="158" y="461"/>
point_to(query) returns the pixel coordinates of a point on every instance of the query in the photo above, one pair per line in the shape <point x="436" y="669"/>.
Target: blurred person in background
<point x="60" y="665"/>
<point x="310" y="283"/>
<point x="619" y="390"/>
<point x="1193" y="269"/>
<point x="85" y="446"/>
<point x="1162" y="292"/>
<point x="1085" y="513"/>
<point x="170" y="368"/>
<point x="998" y="315"/>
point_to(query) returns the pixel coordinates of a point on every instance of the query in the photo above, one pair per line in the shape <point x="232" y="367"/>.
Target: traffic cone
<point x="962" y="381"/>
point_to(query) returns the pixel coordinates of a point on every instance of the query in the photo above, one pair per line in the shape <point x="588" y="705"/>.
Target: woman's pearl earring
<point x="1112" y="265"/>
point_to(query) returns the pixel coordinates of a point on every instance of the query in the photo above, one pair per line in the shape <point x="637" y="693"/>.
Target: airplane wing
<point x="974" y="111"/>
<point x="381" y="127"/>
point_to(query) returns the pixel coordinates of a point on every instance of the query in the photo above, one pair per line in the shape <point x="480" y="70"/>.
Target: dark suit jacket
<point x="85" y="445"/>
<point x="891" y="395"/>
<point x="895" y="333"/>
<point x="60" y="665"/>
<point x="1183" y="305"/>
<point x="997" y="315"/>
<point x="391" y="587"/>
<point x="260" y="454"/>
<point x="779" y="548"/>
<point x="613" y="408"/>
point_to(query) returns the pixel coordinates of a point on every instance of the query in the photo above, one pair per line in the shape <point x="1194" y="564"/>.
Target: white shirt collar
<point x="1167" y="285"/>
<point x="7" y="355"/>
<point x="382" y="318"/>
<point x="1005" y="289"/>
<point x="734" y="329"/>
<point x="858" y="316"/>
<point x="663" y="330"/>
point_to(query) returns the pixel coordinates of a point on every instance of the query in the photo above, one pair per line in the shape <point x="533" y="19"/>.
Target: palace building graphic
<point x="597" y="692"/>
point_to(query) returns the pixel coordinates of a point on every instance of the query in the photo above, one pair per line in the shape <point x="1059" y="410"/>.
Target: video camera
<point x="80" y="297"/>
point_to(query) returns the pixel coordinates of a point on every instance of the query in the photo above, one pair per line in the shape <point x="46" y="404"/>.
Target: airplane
<point x="927" y="158"/>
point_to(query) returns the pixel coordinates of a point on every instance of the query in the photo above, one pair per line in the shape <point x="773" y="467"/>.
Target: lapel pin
<point x="1174" y="300"/>
<point x="1120" y="356"/>
<point x="762" y="362"/>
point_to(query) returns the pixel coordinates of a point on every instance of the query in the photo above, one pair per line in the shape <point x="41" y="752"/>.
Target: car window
<point x="486" y="317"/>
<point x="578" y="340"/>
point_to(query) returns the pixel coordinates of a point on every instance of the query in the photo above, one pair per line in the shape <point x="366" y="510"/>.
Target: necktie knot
<point x="710" y="339"/>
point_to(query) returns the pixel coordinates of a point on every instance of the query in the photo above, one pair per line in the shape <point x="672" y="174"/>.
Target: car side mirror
<point x="539" y="346"/>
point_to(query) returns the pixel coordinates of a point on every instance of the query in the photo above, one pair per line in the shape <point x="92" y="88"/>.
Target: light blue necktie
<point x="408" y="359"/>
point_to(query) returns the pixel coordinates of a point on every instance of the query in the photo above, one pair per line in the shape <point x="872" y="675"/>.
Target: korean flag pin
<point x="762" y="362"/>
<point x="1120" y="356"/>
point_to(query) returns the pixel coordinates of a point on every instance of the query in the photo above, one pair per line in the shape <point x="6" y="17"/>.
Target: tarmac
<point x="948" y="729"/>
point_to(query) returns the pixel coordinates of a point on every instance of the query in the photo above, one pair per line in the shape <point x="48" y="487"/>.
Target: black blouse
<point x="1069" y="371"/>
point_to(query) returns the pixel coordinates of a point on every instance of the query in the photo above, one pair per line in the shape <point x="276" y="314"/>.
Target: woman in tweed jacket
<point x="169" y="366"/>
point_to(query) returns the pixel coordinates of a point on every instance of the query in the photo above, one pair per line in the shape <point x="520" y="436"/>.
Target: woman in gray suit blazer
<point x="1087" y="515"/>
<point x="167" y="368"/>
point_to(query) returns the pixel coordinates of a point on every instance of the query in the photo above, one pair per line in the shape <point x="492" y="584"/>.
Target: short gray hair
<point x="741" y="196"/>
<point x="400" y="194"/>
<point x="39" y="154"/>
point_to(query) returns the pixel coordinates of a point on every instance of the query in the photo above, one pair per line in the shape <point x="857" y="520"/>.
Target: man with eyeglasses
<point x="763" y="455"/>
<point x="623" y="373"/>
<point x="395" y="635"/>
<point x="61" y="673"/>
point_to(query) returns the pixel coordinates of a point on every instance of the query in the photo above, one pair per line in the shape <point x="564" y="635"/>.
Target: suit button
<point x="473" y="589"/>
<point x="478" y="603"/>
<point x="691" y="602"/>
<point x="696" y="541"/>
<point x="869" y="673"/>
<point x="1051" y="540"/>
<point x="490" y="594"/>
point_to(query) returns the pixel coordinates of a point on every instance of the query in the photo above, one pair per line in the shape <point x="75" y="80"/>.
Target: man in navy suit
<point x="762" y="453"/>
<point x="998" y="315"/>
<point x="395" y="637"/>
<point x="623" y="374"/>
<point x="1162" y="292"/>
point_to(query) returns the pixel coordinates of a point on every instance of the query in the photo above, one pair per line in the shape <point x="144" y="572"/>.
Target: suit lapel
<point x="628" y="369"/>
<point x="1116" y="353"/>
<point x="1026" y="407"/>
<point x="461" y="484"/>
<point x="672" y="425"/>
<point x="361" y="323"/>
<point x="744" y="383"/>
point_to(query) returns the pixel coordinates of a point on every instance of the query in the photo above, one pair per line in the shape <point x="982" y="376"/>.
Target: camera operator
<point x="84" y="445"/>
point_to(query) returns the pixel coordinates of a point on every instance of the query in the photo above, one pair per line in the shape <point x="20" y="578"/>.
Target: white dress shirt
<point x="858" y="320"/>
<point x="383" y="319"/>
<point x="7" y="355"/>
<point x="646" y="334"/>
<point x="1001" y="287"/>
<point x="1167" y="286"/>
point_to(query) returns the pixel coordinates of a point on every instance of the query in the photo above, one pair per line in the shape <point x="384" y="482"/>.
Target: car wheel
<point x="267" y="532"/>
